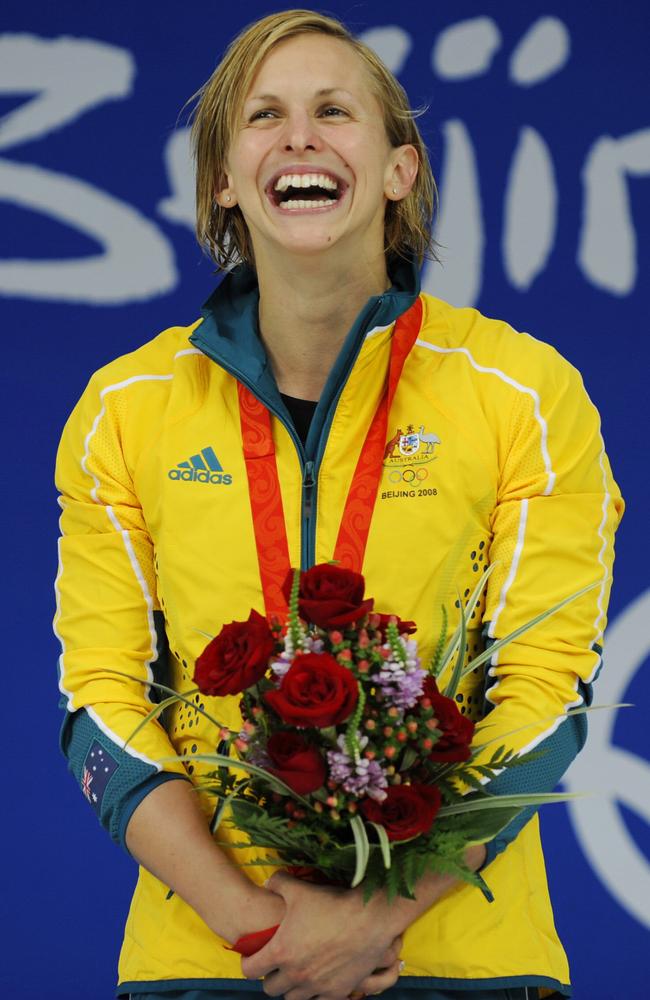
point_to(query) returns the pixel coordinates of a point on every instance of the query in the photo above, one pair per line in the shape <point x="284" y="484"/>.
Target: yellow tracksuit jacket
<point x="494" y="455"/>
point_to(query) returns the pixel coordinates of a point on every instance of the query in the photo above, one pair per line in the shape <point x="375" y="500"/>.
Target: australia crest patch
<point x="408" y="452"/>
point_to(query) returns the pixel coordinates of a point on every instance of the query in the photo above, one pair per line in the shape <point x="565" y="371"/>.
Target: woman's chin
<point x="307" y="240"/>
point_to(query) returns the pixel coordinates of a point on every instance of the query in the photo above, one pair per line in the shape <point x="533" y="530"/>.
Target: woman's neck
<point x="305" y="313"/>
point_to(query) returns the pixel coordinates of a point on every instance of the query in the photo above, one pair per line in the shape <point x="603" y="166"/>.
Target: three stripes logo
<point x="204" y="467"/>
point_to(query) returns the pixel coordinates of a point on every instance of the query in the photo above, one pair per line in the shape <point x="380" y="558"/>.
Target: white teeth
<point x="305" y="181"/>
<point x="297" y="203"/>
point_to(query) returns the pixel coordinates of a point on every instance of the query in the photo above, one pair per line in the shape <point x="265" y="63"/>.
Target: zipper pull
<point x="308" y="483"/>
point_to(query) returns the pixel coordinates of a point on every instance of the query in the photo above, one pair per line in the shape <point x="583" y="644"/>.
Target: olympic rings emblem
<point x="407" y="475"/>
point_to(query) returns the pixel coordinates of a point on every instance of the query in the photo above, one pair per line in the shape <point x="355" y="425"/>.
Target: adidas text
<point x="199" y="476"/>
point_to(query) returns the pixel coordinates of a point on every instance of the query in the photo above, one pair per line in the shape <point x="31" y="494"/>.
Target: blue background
<point x="66" y="886"/>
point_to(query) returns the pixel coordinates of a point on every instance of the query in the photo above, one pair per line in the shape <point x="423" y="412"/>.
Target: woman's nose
<point x="300" y="134"/>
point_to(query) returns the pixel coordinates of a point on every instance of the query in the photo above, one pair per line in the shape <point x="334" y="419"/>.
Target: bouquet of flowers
<point x="353" y="764"/>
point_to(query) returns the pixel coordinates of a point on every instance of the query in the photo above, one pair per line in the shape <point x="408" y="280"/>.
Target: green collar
<point x="229" y="332"/>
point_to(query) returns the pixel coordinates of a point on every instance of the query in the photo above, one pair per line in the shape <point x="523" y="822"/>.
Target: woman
<point x="194" y="469"/>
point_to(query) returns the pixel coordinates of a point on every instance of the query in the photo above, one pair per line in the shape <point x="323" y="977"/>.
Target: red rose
<point x="315" y="691"/>
<point x="404" y="628"/>
<point x="330" y="596"/>
<point x="457" y="730"/>
<point x="298" y="764"/>
<point x="236" y="658"/>
<point x="407" y="810"/>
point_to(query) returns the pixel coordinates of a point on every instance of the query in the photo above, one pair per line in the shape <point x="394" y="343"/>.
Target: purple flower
<point x="401" y="684"/>
<point x="359" y="777"/>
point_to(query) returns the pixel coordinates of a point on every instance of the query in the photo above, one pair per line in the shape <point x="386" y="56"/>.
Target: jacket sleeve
<point x="107" y="614"/>
<point x="553" y="529"/>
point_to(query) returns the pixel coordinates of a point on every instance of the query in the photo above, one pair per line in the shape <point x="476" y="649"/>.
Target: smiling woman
<point x="296" y="395"/>
<point x="238" y="95"/>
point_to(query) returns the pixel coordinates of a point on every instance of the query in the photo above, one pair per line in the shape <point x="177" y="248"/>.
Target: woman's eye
<point x="331" y="111"/>
<point x="264" y="113"/>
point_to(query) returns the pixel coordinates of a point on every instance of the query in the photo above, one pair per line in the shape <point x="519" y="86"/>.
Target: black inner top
<point x="301" y="412"/>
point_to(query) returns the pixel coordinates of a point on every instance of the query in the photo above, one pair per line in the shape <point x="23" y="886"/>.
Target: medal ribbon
<point x="264" y="485"/>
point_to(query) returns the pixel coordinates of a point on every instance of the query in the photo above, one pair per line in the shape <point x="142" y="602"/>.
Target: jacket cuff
<point x="113" y="780"/>
<point x="542" y="774"/>
<point x="133" y="799"/>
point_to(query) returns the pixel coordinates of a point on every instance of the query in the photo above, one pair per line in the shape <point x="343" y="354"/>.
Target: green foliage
<point x="397" y="649"/>
<point x="485" y="803"/>
<point x="362" y="849"/>
<point x="153" y="714"/>
<point x="466" y="614"/>
<point x="384" y="844"/>
<point x="436" y="659"/>
<point x="351" y="740"/>
<point x="295" y="628"/>
<point x="169" y="691"/>
<point x="440" y="851"/>
<point x="224" y="802"/>
<point x="409" y="757"/>
<point x="268" y="779"/>
<point x="500" y="643"/>
<point x="454" y="680"/>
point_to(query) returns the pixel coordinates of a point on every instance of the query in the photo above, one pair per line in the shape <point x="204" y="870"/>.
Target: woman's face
<point x="310" y="165"/>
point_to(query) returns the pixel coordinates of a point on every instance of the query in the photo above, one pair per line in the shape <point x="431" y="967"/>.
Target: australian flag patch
<point x="98" y="769"/>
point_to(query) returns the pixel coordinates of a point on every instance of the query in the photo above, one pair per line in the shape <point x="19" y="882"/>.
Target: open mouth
<point x="296" y="192"/>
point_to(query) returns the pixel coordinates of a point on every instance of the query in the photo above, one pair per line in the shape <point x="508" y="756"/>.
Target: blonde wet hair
<point x="222" y="232"/>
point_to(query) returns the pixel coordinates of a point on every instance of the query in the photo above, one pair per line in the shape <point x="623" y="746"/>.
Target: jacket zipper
<point x="308" y="532"/>
<point x="308" y="498"/>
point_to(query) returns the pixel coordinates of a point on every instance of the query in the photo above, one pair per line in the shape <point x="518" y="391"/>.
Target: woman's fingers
<point x="384" y="976"/>
<point x="380" y="980"/>
<point x="391" y="954"/>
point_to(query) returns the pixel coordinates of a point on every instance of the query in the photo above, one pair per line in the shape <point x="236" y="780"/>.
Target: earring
<point x="394" y="190"/>
<point x="227" y="197"/>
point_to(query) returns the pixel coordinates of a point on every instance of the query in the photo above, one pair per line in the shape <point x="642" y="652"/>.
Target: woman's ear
<point x="225" y="196"/>
<point x="401" y="172"/>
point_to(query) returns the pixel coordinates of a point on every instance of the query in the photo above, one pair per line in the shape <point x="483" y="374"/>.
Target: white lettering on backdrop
<point x="69" y="77"/>
<point x="615" y="775"/>
<point x="72" y="76"/>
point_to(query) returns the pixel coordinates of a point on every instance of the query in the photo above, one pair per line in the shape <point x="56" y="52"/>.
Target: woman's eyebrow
<point x="323" y="92"/>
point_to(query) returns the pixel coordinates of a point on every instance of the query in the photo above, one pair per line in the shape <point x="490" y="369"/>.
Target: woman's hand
<point x="328" y="945"/>
<point x="257" y="910"/>
<point x="382" y="978"/>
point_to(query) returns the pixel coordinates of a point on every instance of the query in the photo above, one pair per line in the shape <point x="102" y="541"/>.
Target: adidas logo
<point x="203" y="467"/>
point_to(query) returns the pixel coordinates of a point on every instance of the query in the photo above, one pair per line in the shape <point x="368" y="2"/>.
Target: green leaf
<point x="410" y="868"/>
<point x="182" y="696"/>
<point x="471" y="779"/>
<point x="436" y="659"/>
<point x="218" y="758"/>
<point x="452" y="686"/>
<point x="384" y="844"/>
<point x="479" y="827"/>
<point x="470" y="607"/>
<point x="479" y="747"/>
<point x="500" y="643"/>
<point x="206" y="635"/>
<point x="362" y="850"/>
<point x="408" y="758"/>
<point x="153" y="714"/>
<point x="520" y="800"/>
<point x="329" y="734"/>
<point x="224" y="803"/>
